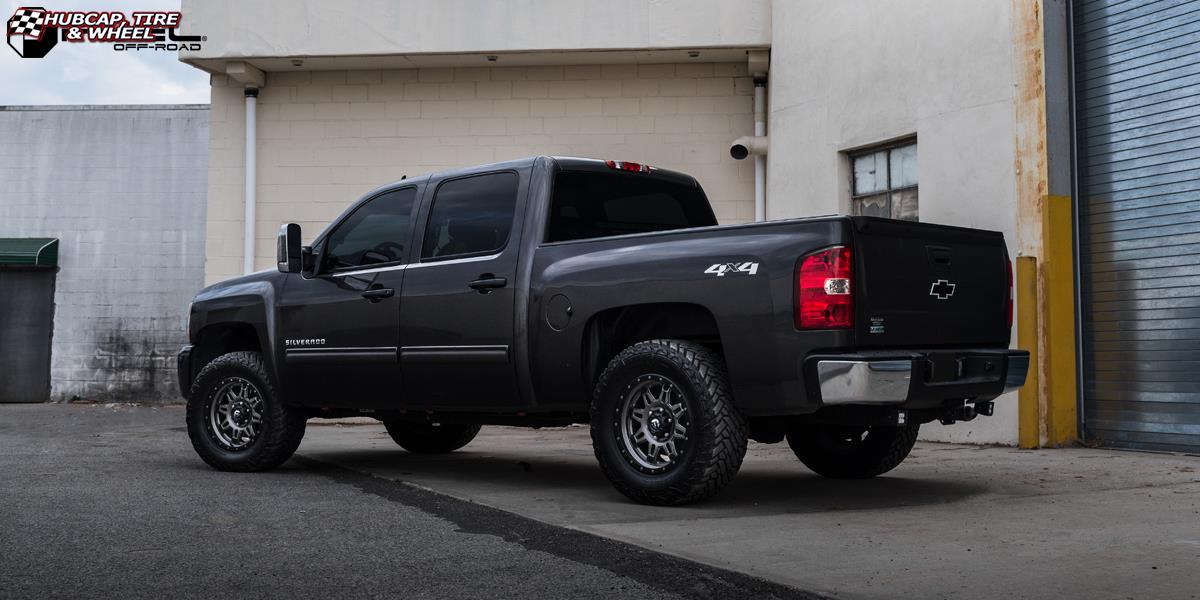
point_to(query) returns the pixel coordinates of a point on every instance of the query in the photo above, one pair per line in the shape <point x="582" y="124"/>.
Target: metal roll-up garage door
<point x="1137" y="107"/>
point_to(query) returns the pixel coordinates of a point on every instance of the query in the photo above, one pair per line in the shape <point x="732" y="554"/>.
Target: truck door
<point x="456" y="319"/>
<point x="341" y="324"/>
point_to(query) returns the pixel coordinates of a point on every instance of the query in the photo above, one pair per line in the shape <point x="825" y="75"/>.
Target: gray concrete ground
<point x="953" y="521"/>
<point x="90" y="491"/>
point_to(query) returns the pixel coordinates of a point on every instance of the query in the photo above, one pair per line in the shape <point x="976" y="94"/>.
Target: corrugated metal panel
<point x="1137" y="87"/>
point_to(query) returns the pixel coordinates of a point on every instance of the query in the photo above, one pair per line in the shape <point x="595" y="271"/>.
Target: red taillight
<point x="1009" y="308"/>
<point x="824" y="292"/>
<point x="624" y="165"/>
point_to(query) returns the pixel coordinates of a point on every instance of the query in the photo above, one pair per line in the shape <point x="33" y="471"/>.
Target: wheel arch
<point x="216" y="339"/>
<point x="609" y="331"/>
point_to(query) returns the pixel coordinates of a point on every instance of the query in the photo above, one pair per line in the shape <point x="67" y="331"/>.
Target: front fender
<point x="248" y="301"/>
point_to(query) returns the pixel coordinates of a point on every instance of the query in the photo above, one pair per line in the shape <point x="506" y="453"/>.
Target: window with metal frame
<point x="883" y="181"/>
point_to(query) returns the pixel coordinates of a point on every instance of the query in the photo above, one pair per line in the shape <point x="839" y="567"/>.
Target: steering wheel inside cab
<point x="385" y="252"/>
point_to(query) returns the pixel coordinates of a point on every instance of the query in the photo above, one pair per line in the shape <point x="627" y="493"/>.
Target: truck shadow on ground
<point x="760" y="488"/>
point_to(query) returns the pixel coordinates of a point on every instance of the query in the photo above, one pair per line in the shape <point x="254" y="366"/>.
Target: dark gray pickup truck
<point x="550" y="291"/>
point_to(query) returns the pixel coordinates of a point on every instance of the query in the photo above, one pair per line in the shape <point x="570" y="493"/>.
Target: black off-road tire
<point x="847" y="453"/>
<point x="717" y="434"/>
<point x="428" y="438"/>
<point x="282" y="425"/>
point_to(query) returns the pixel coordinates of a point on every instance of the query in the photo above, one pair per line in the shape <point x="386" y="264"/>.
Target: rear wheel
<point x="851" y="452"/>
<point x="663" y="424"/>
<point x="430" y="438"/>
<point x="236" y="419"/>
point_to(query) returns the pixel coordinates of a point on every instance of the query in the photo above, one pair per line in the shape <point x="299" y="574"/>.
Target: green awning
<point x="29" y="252"/>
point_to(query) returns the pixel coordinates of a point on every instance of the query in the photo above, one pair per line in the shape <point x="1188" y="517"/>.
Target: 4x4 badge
<point x="942" y="289"/>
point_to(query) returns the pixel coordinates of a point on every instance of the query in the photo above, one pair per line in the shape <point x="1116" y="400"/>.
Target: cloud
<point x="87" y="73"/>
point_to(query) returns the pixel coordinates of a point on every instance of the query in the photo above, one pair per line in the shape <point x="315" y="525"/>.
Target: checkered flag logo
<point x="27" y="22"/>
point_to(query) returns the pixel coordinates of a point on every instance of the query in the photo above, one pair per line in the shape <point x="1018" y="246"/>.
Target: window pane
<point x="588" y="205"/>
<point x="870" y="173"/>
<point x="872" y="206"/>
<point x="904" y="205"/>
<point x="904" y="166"/>
<point x="375" y="233"/>
<point x="471" y="216"/>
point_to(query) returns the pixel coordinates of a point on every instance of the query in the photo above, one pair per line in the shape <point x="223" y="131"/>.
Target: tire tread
<point x="440" y="440"/>
<point x="870" y="461"/>
<point x="283" y="425"/>
<point x="714" y="467"/>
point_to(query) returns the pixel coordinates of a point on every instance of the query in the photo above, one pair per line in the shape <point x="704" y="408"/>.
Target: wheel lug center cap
<point x="659" y="424"/>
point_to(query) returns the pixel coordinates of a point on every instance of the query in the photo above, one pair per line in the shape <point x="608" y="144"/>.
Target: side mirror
<point x="288" y="253"/>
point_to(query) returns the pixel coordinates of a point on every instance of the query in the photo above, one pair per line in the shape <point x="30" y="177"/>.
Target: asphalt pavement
<point x="110" y="501"/>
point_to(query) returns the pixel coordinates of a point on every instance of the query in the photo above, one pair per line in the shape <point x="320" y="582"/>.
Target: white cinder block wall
<point x="327" y="137"/>
<point x="123" y="189"/>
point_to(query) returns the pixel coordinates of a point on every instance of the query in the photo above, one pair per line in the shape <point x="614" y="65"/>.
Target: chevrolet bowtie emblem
<point x="942" y="289"/>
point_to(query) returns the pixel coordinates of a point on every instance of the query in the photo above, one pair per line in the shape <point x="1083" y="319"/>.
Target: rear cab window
<point x="588" y="204"/>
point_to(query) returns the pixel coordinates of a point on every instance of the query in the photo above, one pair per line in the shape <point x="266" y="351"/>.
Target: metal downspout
<point x="251" y="183"/>
<point x="760" y="160"/>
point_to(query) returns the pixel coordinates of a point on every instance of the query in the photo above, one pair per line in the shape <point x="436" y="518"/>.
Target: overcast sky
<point x="87" y="73"/>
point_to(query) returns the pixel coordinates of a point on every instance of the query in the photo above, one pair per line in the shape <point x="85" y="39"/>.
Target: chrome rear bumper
<point x="901" y="378"/>
<point x="864" y="381"/>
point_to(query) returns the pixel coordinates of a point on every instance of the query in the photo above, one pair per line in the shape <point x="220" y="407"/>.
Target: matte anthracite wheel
<point x="431" y="438"/>
<point x="235" y="418"/>
<point x="841" y="452"/>
<point x="663" y="424"/>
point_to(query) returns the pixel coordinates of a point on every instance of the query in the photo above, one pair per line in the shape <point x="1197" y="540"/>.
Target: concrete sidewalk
<point x="951" y="522"/>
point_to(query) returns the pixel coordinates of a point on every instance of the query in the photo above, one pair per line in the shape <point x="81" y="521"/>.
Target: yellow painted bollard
<point x="1029" y="409"/>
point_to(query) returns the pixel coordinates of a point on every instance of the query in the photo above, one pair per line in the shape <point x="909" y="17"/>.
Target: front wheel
<point x="236" y="419"/>
<point x="663" y="424"/>
<point x="851" y="452"/>
<point x="430" y="438"/>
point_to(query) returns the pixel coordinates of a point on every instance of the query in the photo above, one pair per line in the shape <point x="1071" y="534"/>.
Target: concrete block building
<point x="112" y="200"/>
<point x="1065" y="125"/>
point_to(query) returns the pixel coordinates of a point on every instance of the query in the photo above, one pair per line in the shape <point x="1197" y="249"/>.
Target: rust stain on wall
<point x="1030" y="159"/>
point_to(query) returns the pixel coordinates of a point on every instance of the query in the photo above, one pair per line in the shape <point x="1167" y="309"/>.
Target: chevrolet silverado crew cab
<point x="550" y="291"/>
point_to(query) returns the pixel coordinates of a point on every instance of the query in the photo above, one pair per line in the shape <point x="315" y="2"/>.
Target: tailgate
<point x="924" y="286"/>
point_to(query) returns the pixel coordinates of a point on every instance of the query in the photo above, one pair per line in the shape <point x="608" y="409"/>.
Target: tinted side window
<point x="589" y="205"/>
<point x="376" y="233"/>
<point x="471" y="216"/>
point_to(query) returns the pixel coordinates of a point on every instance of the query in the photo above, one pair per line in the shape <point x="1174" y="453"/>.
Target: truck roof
<point x="570" y="163"/>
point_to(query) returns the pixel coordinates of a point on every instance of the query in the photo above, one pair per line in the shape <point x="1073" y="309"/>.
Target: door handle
<point x="377" y="294"/>
<point x="487" y="283"/>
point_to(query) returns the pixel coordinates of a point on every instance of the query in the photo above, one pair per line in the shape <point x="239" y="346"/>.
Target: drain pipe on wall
<point x="251" y="193"/>
<point x="759" y="142"/>
<point x="252" y="78"/>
